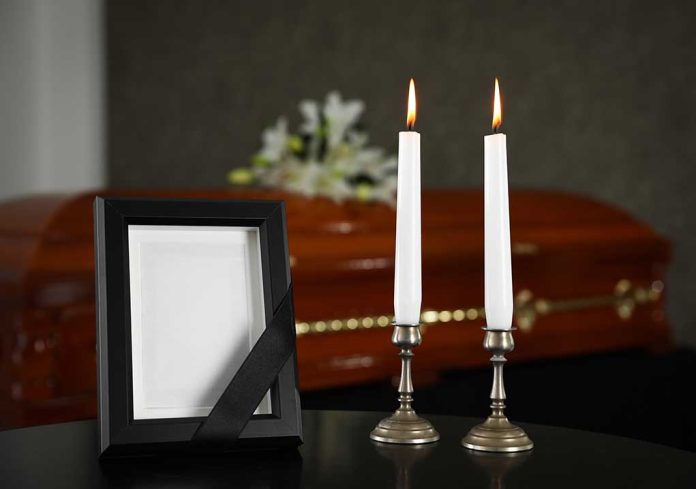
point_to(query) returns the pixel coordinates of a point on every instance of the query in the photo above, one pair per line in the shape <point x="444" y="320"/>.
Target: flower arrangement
<point x="328" y="156"/>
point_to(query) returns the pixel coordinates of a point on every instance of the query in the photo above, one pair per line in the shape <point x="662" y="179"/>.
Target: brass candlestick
<point x="405" y="426"/>
<point x="497" y="434"/>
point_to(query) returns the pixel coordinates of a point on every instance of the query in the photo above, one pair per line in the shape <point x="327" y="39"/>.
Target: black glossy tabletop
<point x="338" y="454"/>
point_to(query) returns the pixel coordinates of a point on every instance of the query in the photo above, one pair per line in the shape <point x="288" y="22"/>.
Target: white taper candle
<point x="498" y="264"/>
<point x="407" y="262"/>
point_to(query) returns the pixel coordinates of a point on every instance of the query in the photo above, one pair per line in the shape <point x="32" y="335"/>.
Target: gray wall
<point x="598" y="96"/>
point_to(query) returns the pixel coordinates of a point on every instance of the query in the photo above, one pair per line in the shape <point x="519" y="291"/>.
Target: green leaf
<point x="259" y="161"/>
<point x="240" y="176"/>
<point x="364" y="192"/>
<point x="295" y="144"/>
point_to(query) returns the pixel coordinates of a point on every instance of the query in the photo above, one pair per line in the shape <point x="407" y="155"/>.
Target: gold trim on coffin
<point x="625" y="298"/>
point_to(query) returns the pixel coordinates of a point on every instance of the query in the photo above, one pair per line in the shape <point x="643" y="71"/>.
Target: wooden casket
<point x="588" y="278"/>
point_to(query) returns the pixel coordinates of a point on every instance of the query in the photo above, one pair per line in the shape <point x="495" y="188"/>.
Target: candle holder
<point x="405" y="426"/>
<point x="497" y="434"/>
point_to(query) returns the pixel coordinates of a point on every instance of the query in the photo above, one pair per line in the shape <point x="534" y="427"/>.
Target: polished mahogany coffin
<point x="588" y="278"/>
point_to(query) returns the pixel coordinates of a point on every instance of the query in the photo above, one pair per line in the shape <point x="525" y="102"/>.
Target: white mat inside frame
<point x="196" y="312"/>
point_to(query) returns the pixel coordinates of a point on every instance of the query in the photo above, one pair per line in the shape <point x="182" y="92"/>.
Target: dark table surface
<point x="338" y="453"/>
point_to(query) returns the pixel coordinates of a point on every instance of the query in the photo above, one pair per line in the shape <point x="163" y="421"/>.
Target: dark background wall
<point x="599" y="97"/>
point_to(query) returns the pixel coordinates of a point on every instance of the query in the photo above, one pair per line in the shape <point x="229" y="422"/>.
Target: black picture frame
<point x="121" y="434"/>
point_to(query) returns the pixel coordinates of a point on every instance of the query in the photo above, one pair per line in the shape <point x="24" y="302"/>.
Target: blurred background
<point x="598" y="102"/>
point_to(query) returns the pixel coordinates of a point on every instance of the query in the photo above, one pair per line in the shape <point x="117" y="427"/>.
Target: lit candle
<point x="498" y="266"/>
<point x="407" y="263"/>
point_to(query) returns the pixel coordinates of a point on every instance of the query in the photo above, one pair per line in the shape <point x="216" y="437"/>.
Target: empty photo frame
<point x="195" y="326"/>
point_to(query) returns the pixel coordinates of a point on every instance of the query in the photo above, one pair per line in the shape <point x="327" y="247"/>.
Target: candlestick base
<point x="405" y="427"/>
<point x="497" y="434"/>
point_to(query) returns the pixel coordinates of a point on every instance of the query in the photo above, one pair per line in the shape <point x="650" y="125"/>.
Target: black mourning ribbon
<point x="243" y="394"/>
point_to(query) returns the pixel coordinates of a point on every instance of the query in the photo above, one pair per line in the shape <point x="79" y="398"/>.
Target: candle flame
<point x="411" y="115"/>
<point x="497" y="109"/>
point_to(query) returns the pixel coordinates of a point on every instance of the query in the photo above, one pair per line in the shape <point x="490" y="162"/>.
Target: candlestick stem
<point x="497" y="434"/>
<point x="405" y="383"/>
<point x="405" y="426"/>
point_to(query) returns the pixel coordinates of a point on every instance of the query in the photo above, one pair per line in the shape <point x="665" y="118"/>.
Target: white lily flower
<point x="344" y="167"/>
<point x="340" y="116"/>
<point x="357" y="139"/>
<point x="275" y="141"/>
<point x="336" y="189"/>
<point x="370" y="161"/>
<point x="310" y="111"/>
<point x="303" y="178"/>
